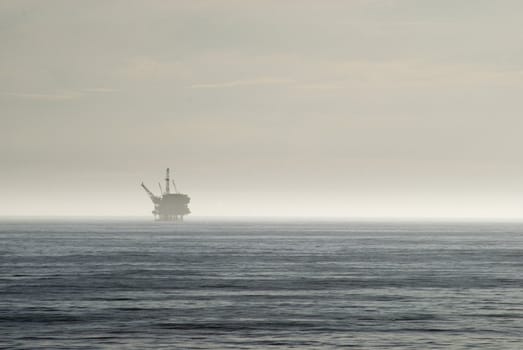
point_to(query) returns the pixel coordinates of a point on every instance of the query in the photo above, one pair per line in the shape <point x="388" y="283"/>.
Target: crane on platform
<point x="153" y="197"/>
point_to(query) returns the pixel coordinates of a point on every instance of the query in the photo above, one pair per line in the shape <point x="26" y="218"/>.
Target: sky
<point x="360" y="108"/>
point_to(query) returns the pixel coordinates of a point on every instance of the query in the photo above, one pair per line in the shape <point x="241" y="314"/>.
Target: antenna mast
<point x="167" y="191"/>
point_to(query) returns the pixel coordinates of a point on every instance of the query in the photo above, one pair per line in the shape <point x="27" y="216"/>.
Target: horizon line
<point x="267" y="217"/>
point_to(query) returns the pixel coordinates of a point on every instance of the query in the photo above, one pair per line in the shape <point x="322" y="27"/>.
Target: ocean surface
<point x="260" y="285"/>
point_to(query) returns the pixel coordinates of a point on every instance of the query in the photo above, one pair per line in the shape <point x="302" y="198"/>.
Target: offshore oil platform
<point x="169" y="206"/>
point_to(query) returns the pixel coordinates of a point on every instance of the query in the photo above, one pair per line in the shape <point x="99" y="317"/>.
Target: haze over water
<point x="258" y="285"/>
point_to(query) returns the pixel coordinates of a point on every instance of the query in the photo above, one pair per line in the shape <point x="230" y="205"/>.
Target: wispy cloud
<point x="57" y="96"/>
<point x="321" y="86"/>
<point x="100" y="90"/>
<point x="151" y="68"/>
<point x="45" y="96"/>
<point x="247" y="82"/>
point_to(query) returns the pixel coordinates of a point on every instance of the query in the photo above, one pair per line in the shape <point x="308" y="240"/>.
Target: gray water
<point x="259" y="285"/>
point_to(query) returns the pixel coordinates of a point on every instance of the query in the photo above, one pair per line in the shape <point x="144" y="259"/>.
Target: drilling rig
<point x="169" y="206"/>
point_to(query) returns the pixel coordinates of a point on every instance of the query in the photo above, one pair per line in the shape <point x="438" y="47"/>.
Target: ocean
<point x="210" y="284"/>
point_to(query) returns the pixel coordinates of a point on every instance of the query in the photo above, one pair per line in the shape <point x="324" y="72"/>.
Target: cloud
<point x="321" y="86"/>
<point x="247" y="82"/>
<point x="151" y="68"/>
<point x="45" y="96"/>
<point x="100" y="90"/>
<point x="58" y="96"/>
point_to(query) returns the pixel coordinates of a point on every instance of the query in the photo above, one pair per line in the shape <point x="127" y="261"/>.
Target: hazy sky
<point x="355" y="108"/>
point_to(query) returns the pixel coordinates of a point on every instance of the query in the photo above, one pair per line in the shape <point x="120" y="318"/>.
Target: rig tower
<point x="169" y="206"/>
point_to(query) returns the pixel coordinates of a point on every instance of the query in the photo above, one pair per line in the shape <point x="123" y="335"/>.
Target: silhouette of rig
<point x="169" y="206"/>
